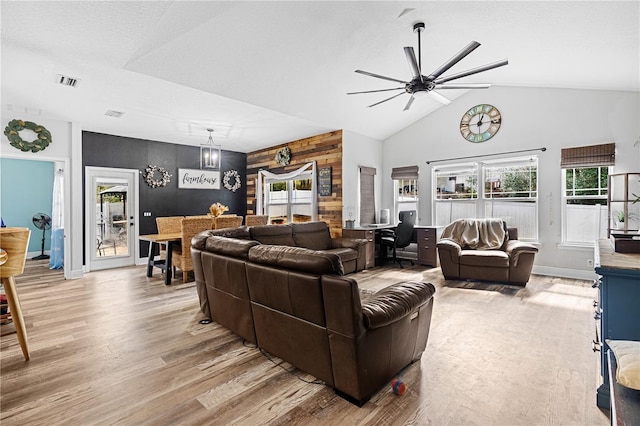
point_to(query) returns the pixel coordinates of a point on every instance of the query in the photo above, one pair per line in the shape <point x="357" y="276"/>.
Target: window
<point x="367" y="195"/>
<point x="509" y="191"/>
<point x="584" y="192"/>
<point x="405" y="188"/>
<point x="585" y="204"/>
<point x="289" y="197"/>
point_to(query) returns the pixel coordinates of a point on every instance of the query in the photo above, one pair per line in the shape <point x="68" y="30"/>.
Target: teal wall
<point x="26" y="188"/>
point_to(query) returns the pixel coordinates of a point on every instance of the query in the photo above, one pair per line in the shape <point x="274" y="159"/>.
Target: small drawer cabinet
<point x="427" y="238"/>
<point x="365" y="234"/>
<point x="616" y="313"/>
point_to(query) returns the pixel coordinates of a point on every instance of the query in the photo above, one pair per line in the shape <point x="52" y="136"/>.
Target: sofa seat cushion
<point x="346" y="254"/>
<point x="486" y="258"/>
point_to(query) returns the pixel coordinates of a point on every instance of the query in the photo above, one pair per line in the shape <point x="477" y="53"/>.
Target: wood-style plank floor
<point x="118" y="348"/>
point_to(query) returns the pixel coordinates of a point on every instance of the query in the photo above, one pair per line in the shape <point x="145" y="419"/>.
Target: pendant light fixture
<point x="210" y="154"/>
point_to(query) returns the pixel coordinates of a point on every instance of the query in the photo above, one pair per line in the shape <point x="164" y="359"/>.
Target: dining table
<point x="170" y="239"/>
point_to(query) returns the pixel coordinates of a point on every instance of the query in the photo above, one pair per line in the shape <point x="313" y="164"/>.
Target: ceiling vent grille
<point x="114" y="114"/>
<point x="65" y="80"/>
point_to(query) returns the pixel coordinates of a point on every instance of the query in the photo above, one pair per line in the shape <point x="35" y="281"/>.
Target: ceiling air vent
<point x="65" y="80"/>
<point x="114" y="114"/>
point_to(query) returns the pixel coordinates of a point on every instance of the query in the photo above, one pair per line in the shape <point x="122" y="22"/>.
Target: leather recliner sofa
<point x="296" y="304"/>
<point x="511" y="262"/>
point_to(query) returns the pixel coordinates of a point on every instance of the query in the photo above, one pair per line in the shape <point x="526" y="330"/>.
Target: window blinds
<point x="406" y="173"/>
<point x="591" y="155"/>
<point x="367" y="195"/>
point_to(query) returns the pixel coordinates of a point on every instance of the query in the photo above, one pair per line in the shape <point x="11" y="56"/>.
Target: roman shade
<point x="367" y="195"/>
<point x="590" y="155"/>
<point x="406" y="173"/>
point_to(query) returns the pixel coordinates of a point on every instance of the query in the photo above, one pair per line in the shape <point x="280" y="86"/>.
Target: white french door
<point x="111" y="225"/>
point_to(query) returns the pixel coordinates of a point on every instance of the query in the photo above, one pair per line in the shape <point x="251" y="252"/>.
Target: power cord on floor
<point x="291" y="372"/>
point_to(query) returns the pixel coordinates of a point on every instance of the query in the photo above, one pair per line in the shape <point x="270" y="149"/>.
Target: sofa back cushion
<point x="312" y="235"/>
<point x="199" y="241"/>
<point x="230" y="246"/>
<point x="297" y="259"/>
<point x="272" y="234"/>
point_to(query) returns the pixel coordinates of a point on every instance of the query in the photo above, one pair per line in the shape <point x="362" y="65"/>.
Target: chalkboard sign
<point x="324" y="181"/>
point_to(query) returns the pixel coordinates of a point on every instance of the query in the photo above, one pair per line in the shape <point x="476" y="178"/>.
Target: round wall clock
<point x="480" y="123"/>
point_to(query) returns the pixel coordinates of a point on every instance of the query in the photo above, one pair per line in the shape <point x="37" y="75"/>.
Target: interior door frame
<point x="134" y="231"/>
<point x="62" y="163"/>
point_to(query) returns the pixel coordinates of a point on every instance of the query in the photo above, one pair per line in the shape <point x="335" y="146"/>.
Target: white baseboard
<point x="77" y="274"/>
<point x="578" y="274"/>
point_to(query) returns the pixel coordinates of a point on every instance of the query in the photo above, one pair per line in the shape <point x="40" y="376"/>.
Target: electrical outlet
<point x="590" y="262"/>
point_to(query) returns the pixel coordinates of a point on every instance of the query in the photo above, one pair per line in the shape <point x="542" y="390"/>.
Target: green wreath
<point x="12" y="132"/>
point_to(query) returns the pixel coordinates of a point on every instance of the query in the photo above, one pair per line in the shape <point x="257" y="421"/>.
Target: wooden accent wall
<point x="326" y="150"/>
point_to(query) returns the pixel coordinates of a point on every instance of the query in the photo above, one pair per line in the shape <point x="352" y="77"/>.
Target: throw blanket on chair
<point x="477" y="234"/>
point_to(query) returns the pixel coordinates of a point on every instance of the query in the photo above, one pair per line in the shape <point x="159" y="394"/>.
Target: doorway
<point x="111" y="226"/>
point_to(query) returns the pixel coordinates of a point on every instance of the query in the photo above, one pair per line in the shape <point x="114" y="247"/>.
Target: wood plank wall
<point x="326" y="150"/>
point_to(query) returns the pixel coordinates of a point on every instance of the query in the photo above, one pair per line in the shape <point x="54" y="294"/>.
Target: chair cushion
<point x="345" y="254"/>
<point x="491" y="258"/>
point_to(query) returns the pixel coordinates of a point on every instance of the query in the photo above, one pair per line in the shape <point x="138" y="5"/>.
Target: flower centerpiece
<point x="216" y="209"/>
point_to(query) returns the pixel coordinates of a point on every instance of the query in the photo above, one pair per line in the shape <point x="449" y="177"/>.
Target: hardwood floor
<point x="116" y="347"/>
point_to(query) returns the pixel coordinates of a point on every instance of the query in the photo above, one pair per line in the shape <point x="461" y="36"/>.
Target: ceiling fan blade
<point x="374" y="91"/>
<point x="472" y="71"/>
<point x="413" y="63"/>
<point x="464" y="86"/>
<point x="408" y="105"/>
<point x="370" y="74"/>
<point x="388" y="99"/>
<point x="451" y="62"/>
<point x="438" y="97"/>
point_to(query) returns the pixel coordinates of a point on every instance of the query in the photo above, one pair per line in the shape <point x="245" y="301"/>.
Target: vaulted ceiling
<point x="267" y="72"/>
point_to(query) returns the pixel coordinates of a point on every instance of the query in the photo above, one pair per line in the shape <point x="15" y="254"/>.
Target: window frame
<point x="602" y="195"/>
<point x="398" y="204"/>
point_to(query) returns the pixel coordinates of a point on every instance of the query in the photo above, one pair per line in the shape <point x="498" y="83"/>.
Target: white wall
<point x="531" y="118"/>
<point x="359" y="150"/>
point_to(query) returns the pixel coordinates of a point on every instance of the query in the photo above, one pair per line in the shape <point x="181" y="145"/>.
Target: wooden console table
<point x="617" y="313"/>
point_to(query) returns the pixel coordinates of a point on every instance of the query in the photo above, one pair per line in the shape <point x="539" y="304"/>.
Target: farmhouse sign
<point x="198" y="179"/>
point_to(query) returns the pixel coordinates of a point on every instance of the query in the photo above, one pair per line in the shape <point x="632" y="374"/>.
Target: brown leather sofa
<point x="510" y="263"/>
<point x="296" y="304"/>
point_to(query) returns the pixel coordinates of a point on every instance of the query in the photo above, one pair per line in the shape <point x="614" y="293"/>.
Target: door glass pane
<point x="112" y="226"/>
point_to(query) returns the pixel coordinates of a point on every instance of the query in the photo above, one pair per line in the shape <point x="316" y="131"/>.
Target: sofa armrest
<point x="354" y="243"/>
<point x="395" y="302"/>
<point x="514" y="248"/>
<point x="358" y="244"/>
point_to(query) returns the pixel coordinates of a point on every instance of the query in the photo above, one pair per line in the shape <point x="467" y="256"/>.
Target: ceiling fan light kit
<point x="422" y="86"/>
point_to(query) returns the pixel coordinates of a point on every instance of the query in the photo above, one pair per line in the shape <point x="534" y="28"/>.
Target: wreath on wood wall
<point x="12" y="131"/>
<point x="156" y="176"/>
<point x="283" y="157"/>
<point x="231" y="174"/>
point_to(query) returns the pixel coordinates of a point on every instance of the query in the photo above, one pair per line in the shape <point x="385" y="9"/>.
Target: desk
<point x="425" y="236"/>
<point x="165" y="265"/>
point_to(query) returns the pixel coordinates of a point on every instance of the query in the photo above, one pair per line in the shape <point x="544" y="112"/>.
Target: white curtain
<point x="264" y="177"/>
<point x="57" y="222"/>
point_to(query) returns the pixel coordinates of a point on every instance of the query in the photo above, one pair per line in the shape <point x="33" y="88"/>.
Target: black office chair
<point x="400" y="237"/>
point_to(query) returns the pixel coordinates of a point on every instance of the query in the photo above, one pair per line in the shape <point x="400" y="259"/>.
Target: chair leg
<point x="185" y="276"/>
<point x="16" y="314"/>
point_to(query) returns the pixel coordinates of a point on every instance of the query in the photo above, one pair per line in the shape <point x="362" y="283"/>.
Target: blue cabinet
<point x="618" y="307"/>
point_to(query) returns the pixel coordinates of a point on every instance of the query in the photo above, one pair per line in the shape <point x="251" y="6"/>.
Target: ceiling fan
<point x="421" y="85"/>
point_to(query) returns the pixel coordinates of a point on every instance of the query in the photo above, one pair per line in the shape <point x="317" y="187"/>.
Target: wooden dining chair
<point x="190" y="226"/>
<point x="256" y="220"/>
<point x="14" y="241"/>
<point x="228" y="221"/>
<point x="167" y="225"/>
